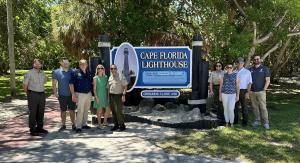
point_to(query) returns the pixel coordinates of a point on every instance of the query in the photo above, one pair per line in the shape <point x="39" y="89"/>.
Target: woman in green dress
<point x="100" y="92"/>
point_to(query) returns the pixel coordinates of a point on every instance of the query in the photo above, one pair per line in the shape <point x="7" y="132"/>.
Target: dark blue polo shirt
<point x="82" y="81"/>
<point x="63" y="78"/>
<point x="259" y="75"/>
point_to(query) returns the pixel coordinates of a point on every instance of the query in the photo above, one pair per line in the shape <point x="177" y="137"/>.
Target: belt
<point x="35" y="91"/>
<point x="84" y="92"/>
<point x="115" y="94"/>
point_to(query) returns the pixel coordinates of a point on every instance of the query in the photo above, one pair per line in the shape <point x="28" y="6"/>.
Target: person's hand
<point x="56" y="95"/>
<point x="123" y="98"/>
<point x="74" y="98"/>
<point x="211" y="93"/>
<point x="220" y="98"/>
<point x="236" y="98"/>
<point x="97" y="100"/>
<point x="247" y="95"/>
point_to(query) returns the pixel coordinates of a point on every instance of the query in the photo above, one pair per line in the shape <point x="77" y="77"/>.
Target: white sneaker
<point x="255" y="123"/>
<point x="267" y="126"/>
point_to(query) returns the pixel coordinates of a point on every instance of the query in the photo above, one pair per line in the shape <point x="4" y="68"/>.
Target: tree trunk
<point x="276" y="67"/>
<point x="259" y="41"/>
<point x="11" y="54"/>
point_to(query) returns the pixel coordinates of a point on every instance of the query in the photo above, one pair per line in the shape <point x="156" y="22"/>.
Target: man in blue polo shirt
<point x="81" y="88"/>
<point x="261" y="81"/>
<point x="62" y="77"/>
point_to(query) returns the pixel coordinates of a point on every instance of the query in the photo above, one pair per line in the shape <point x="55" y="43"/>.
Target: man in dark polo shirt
<point x="261" y="81"/>
<point x="81" y="88"/>
<point x="62" y="77"/>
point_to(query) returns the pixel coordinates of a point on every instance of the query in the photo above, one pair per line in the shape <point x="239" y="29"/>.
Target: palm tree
<point x="11" y="54"/>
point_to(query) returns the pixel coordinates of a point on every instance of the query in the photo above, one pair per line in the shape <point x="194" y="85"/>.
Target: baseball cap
<point x="240" y="60"/>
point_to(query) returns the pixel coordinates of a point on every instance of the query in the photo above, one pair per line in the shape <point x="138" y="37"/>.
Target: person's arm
<point x="211" y="92"/>
<point x="46" y="78"/>
<point x="124" y="93"/>
<point x="267" y="78"/>
<point x="125" y="86"/>
<point x="54" y="83"/>
<point x="54" y="88"/>
<point x="95" y="90"/>
<point x="267" y="83"/>
<point x="25" y="87"/>
<point x="95" y="87"/>
<point x="125" y="90"/>
<point x="25" y="82"/>
<point x="108" y="88"/>
<point x="249" y="86"/>
<point x="71" y="85"/>
<point x="237" y="88"/>
<point x="220" y="89"/>
<point x="74" y="98"/>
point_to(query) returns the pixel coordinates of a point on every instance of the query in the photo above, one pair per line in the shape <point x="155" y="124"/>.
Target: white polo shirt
<point x="245" y="78"/>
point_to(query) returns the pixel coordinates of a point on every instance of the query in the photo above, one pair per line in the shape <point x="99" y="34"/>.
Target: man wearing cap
<point x="81" y="88"/>
<point x="245" y="86"/>
<point x="33" y="86"/>
<point x="261" y="81"/>
<point x="62" y="77"/>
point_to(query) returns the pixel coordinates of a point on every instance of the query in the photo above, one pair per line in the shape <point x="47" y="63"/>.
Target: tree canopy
<point x="230" y="28"/>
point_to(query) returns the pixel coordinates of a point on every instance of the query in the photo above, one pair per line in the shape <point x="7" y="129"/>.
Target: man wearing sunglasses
<point x="261" y="80"/>
<point x="117" y="87"/>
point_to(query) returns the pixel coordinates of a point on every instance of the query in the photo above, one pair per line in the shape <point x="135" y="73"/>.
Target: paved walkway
<point x="133" y="145"/>
<point x="9" y="110"/>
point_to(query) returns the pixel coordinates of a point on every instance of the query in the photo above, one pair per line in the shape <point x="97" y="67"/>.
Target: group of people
<point x="73" y="89"/>
<point x="233" y="88"/>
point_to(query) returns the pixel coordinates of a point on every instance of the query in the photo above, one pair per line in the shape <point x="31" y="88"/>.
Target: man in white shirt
<point x="245" y="86"/>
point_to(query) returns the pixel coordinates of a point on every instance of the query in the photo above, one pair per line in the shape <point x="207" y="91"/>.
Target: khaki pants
<point x="258" y="102"/>
<point x="83" y="106"/>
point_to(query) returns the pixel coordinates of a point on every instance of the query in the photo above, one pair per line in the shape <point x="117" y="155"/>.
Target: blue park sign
<point x="154" y="67"/>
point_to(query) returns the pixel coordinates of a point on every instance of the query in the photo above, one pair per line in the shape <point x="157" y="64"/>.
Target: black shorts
<point x="66" y="103"/>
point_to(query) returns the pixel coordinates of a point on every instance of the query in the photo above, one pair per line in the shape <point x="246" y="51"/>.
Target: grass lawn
<point x="5" y="86"/>
<point x="279" y="144"/>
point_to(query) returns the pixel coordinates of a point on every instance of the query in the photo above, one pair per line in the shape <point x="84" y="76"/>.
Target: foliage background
<point x="51" y="29"/>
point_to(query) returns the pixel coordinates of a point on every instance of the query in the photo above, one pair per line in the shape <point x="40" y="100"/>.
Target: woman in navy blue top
<point x="229" y="91"/>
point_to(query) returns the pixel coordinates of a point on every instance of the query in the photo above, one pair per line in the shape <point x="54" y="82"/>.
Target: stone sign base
<point x="205" y="123"/>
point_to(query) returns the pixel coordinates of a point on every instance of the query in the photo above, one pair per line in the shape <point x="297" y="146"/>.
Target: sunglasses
<point x="229" y="67"/>
<point x="113" y="68"/>
<point x="101" y="68"/>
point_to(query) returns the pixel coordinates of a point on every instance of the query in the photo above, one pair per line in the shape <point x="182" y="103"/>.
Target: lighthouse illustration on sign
<point x="127" y="63"/>
<point x="126" y="71"/>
